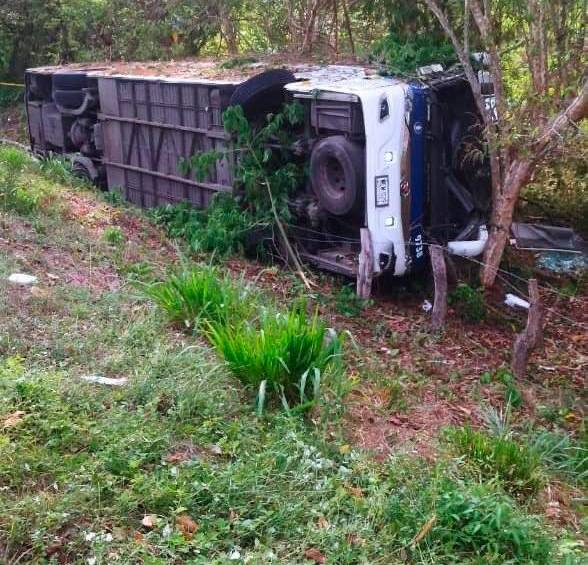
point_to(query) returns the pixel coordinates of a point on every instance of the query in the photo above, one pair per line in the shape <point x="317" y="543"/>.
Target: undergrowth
<point x="222" y="228"/>
<point x="264" y="171"/>
<point x="468" y="302"/>
<point x="514" y="464"/>
<point x="443" y="519"/>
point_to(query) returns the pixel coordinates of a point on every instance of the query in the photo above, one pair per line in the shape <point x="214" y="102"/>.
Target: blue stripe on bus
<point x="418" y="125"/>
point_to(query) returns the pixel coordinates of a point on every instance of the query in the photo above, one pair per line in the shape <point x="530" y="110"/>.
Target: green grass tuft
<point x="288" y="352"/>
<point x="515" y="465"/>
<point x="192" y="295"/>
<point x="562" y="456"/>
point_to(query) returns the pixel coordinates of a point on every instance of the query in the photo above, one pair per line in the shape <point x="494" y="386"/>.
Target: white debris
<point x="104" y="380"/>
<point x="426" y="306"/>
<point x="167" y="531"/>
<point x="515" y="302"/>
<point x="22" y="279"/>
<point x="235" y="555"/>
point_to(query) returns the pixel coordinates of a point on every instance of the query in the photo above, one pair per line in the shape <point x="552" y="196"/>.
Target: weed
<point x="440" y="518"/>
<point x="114" y="195"/>
<point x="515" y="465"/>
<point x="469" y="302"/>
<point x="481" y="521"/>
<point x="348" y="303"/>
<point x="287" y="354"/>
<point x="222" y="228"/>
<point x="13" y="163"/>
<point x="196" y="294"/>
<point x="57" y="169"/>
<point x="498" y="421"/>
<point x="114" y="236"/>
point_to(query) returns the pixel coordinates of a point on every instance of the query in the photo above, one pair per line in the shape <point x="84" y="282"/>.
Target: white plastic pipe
<point x="471" y="248"/>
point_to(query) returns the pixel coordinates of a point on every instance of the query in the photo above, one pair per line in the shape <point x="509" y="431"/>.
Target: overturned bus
<point x="403" y="158"/>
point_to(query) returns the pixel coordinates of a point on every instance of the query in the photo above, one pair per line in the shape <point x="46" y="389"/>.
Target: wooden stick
<point x="365" y="271"/>
<point x="532" y="336"/>
<point x="440" y="278"/>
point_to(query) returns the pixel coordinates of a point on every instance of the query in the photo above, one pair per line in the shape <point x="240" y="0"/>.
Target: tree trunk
<point x="518" y="175"/>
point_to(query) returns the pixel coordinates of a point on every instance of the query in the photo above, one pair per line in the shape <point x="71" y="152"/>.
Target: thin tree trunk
<point x="348" y="26"/>
<point x="517" y="177"/>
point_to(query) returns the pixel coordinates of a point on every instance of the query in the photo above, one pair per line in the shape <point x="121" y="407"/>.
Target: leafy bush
<point x="199" y="294"/>
<point x="562" y="456"/>
<point x="114" y="236"/>
<point x="222" y="228"/>
<point x="477" y="520"/>
<point x="454" y="521"/>
<point x="403" y="55"/>
<point x="286" y="354"/>
<point x="469" y="302"/>
<point x="515" y="465"/>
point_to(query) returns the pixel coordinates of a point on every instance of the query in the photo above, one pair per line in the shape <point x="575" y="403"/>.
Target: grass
<point x="288" y="353"/>
<point x="195" y="294"/>
<point x="563" y="456"/>
<point x="515" y="465"/>
<point x="83" y="464"/>
<point x="476" y="522"/>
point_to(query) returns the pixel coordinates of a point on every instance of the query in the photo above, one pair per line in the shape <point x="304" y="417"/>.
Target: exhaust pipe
<point x="471" y="248"/>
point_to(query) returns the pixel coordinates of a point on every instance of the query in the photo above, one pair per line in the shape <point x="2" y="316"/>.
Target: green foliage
<point x="41" y="32"/>
<point x="197" y="294"/>
<point x="114" y="236"/>
<point x="263" y="177"/>
<point x="264" y="168"/>
<point x="236" y="62"/>
<point x="515" y="465"/>
<point x="480" y="521"/>
<point x="558" y="193"/>
<point x="563" y="456"/>
<point x="13" y="195"/>
<point x="348" y="303"/>
<point x="403" y="55"/>
<point x="222" y="228"/>
<point x="468" y="301"/>
<point x="10" y="95"/>
<point x="468" y="522"/>
<point x="285" y="353"/>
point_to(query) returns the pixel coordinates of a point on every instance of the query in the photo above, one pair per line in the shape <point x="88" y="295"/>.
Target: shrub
<point x="199" y="294"/>
<point x="469" y="302"/>
<point x="478" y="520"/>
<point x="286" y="354"/>
<point x="114" y="236"/>
<point x="455" y="521"/>
<point x="222" y="228"/>
<point x="403" y="55"/>
<point x="515" y="465"/>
